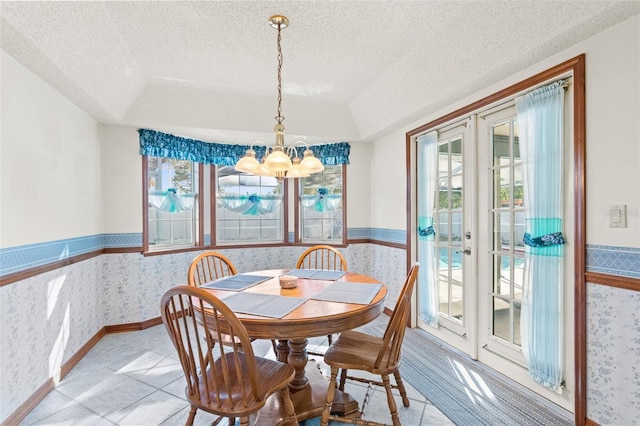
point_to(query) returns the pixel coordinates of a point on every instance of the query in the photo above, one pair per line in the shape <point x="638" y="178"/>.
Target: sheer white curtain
<point x="427" y="151"/>
<point x="540" y="123"/>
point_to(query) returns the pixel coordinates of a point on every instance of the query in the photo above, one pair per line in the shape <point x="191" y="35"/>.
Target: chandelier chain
<point x="279" y="117"/>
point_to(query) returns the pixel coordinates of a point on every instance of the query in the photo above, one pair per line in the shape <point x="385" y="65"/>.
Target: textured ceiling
<point x="353" y="70"/>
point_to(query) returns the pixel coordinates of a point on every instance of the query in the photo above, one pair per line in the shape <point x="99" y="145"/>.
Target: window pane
<point x="248" y="208"/>
<point x="320" y="199"/>
<point x="172" y="202"/>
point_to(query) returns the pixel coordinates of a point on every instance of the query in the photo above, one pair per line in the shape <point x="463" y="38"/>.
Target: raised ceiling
<point x="353" y="70"/>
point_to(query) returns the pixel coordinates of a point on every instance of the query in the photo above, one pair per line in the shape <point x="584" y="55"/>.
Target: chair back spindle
<point x="209" y="266"/>
<point x="322" y="257"/>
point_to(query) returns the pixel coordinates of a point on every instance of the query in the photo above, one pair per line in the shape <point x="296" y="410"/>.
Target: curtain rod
<point x="509" y="102"/>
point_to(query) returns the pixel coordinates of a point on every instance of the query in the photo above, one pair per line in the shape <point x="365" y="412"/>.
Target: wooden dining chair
<point x="221" y="379"/>
<point x="210" y="266"/>
<point x="322" y="256"/>
<point x="381" y="356"/>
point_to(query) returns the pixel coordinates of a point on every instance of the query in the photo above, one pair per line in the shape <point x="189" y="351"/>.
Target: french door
<point x="454" y="249"/>
<point x="479" y="250"/>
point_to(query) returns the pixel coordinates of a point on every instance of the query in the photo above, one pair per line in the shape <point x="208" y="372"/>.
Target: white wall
<point x="613" y="133"/>
<point x="358" y="186"/>
<point x="122" y="180"/>
<point x="388" y="197"/>
<point x="50" y="158"/>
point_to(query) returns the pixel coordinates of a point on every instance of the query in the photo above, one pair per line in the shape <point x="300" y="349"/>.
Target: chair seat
<point x="273" y="375"/>
<point x="359" y="351"/>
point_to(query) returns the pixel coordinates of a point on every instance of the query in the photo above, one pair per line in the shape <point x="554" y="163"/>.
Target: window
<point x="172" y="213"/>
<point x="241" y="209"/>
<point x="248" y="209"/>
<point x="321" y="206"/>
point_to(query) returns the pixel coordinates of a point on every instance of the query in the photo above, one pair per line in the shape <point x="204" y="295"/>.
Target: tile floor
<point x="135" y="379"/>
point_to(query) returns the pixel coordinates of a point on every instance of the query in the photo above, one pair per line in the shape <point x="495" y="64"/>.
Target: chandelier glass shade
<point x="280" y="161"/>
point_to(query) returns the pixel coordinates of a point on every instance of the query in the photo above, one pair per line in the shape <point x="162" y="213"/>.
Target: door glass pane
<point x="443" y="227"/>
<point x="443" y="279"/>
<point x="502" y="176"/>
<point x="456" y="229"/>
<point x="443" y="193"/>
<point x="502" y="276"/>
<point x="501" y="319"/>
<point x="516" y="323"/>
<point x="443" y="160"/>
<point x="505" y="230"/>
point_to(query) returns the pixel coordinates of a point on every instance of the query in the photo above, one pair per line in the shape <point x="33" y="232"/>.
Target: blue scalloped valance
<point x="165" y="145"/>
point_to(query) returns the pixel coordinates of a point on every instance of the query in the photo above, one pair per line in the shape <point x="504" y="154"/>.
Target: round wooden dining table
<point x="312" y="318"/>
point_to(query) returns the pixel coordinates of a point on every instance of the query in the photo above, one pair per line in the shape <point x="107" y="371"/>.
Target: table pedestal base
<point x="309" y="401"/>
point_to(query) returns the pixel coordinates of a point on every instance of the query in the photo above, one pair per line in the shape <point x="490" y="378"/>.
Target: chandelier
<point x="280" y="161"/>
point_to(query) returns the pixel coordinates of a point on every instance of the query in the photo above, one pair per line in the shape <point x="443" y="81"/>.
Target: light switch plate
<point x="618" y="216"/>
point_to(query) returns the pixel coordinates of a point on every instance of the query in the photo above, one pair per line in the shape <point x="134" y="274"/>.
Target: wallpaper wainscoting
<point x="613" y="355"/>
<point x="44" y="321"/>
<point x="133" y="284"/>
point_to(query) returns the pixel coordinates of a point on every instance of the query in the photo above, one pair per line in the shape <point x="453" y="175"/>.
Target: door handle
<point x="466" y="251"/>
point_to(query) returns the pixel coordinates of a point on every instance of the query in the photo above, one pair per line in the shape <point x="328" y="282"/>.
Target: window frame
<point x="213" y="190"/>
<point x="298" y="226"/>
<point x="199" y="243"/>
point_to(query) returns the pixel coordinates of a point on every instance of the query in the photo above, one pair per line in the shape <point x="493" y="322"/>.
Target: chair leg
<point x="289" y="409"/>
<point x="192" y="415"/>
<point x="244" y="421"/>
<point x="274" y="345"/>
<point x="331" y="392"/>
<point x="401" y="389"/>
<point x="343" y="379"/>
<point x="330" y="339"/>
<point x="391" y="401"/>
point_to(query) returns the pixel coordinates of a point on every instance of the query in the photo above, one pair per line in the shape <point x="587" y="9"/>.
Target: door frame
<point x="575" y="66"/>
